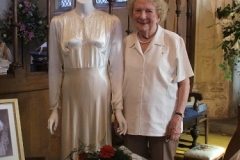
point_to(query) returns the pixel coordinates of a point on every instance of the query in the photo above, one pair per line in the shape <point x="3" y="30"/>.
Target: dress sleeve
<point x="55" y="64"/>
<point x="116" y="65"/>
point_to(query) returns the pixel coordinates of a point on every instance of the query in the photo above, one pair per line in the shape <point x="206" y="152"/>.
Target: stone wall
<point x="209" y="78"/>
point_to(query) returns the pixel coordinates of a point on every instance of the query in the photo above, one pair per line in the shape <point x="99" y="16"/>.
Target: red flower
<point x="82" y="156"/>
<point x="107" y="151"/>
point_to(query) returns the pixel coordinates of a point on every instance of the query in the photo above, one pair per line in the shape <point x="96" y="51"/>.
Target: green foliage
<point x="120" y="155"/>
<point x="31" y="23"/>
<point x="227" y="73"/>
<point x="229" y="19"/>
<point x="222" y="13"/>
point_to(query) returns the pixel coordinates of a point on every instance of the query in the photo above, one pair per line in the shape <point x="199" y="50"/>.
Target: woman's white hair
<point x="161" y="8"/>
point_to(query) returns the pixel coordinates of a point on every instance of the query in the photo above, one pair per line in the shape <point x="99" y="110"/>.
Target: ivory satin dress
<point x="85" y="76"/>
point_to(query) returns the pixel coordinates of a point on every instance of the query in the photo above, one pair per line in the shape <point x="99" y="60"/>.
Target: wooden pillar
<point x="189" y="25"/>
<point x="178" y="12"/>
<point x="48" y="25"/>
<point x="190" y="34"/>
<point x="128" y="31"/>
<point x="165" y="22"/>
<point x="110" y="2"/>
<point x="15" y="64"/>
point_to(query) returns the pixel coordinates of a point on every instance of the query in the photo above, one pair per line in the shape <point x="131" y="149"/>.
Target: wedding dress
<point x="86" y="71"/>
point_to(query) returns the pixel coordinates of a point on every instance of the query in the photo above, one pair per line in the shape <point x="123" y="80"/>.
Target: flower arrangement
<point x="107" y="152"/>
<point x="229" y="19"/>
<point x="31" y="23"/>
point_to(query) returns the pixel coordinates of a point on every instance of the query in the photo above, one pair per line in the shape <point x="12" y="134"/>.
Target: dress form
<point x="85" y="76"/>
<point x="84" y="7"/>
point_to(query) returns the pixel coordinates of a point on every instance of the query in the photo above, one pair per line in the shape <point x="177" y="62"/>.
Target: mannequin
<point x="85" y="76"/>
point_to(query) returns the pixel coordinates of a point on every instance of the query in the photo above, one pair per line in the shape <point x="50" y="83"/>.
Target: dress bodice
<point x="85" y="42"/>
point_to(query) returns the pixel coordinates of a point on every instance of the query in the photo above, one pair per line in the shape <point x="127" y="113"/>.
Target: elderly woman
<point x="156" y="82"/>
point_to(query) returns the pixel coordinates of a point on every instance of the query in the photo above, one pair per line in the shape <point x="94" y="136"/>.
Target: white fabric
<point x="205" y="152"/>
<point x="4" y="65"/>
<point x="90" y="49"/>
<point x="5" y="58"/>
<point x="133" y="155"/>
<point x="5" y="52"/>
<point x="150" y="81"/>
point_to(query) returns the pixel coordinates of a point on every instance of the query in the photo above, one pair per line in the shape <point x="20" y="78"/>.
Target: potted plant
<point x="31" y="22"/>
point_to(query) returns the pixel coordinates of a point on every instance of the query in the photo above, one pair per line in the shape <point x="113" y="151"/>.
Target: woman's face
<point x="145" y="16"/>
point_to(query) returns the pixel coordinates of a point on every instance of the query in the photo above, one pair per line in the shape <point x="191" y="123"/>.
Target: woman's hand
<point x="53" y="121"/>
<point x="174" y="127"/>
<point x="121" y="125"/>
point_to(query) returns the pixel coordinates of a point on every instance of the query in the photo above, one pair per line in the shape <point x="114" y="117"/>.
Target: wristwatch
<point x="180" y="114"/>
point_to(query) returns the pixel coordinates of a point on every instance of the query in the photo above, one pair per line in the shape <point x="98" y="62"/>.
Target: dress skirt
<point x="86" y="108"/>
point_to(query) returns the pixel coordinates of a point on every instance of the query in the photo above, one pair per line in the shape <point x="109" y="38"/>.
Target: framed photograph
<point x="11" y="145"/>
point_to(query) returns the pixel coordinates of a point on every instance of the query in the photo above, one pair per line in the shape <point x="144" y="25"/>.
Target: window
<point x="66" y="3"/>
<point x="100" y="4"/>
<point x="106" y="1"/>
<point x="62" y="6"/>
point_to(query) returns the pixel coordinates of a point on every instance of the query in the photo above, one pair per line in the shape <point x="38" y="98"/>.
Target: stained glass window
<point x="106" y="1"/>
<point x="66" y="3"/>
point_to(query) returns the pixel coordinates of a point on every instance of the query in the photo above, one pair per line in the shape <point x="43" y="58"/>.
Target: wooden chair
<point x="205" y="152"/>
<point x="194" y="116"/>
<point x="200" y="151"/>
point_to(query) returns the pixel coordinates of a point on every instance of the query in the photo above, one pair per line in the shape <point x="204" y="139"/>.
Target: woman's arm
<point x="174" y="129"/>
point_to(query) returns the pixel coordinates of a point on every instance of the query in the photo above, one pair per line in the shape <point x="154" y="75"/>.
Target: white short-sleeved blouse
<point x="151" y="81"/>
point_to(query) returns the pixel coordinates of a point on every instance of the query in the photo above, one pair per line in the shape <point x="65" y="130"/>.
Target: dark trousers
<point x="154" y="148"/>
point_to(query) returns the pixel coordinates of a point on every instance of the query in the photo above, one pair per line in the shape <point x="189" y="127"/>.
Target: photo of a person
<point x="5" y="139"/>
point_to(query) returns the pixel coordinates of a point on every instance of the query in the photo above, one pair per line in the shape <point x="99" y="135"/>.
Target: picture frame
<point x="11" y="144"/>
